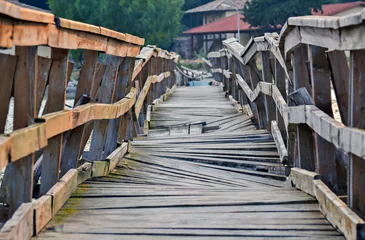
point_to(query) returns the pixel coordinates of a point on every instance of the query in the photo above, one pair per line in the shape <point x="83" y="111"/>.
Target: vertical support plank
<point x="19" y="175"/>
<point x="56" y="102"/>
<point x="7" y="69"/>
<point x="340" y="75"/>
<point x="107" y="89"/>
<point x="306" y="157"/>
<point x="356" y="169"/>
<point x="85" y="85"/>
<point x="44" y="66"/>
<point x="321" y="93"/>
<point x="122" y="88"/>
<point x="255" y="79"/>
<point x="270" y="106"/>
<point x="280" y="80"/>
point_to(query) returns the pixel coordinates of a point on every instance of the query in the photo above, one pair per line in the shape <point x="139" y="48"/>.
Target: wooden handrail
<point x="106" y="105"/>
<point x="291" y="97"/>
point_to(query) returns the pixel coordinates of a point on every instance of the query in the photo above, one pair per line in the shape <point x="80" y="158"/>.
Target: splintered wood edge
<point x="30" y="218"/>
<point x="332" y="207"/>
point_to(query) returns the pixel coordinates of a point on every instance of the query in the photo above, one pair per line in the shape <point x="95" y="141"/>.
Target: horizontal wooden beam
<point x="335" y="210"/>
<point x="351" y="140"/>
<point x="31" y="218"/>
<point x="25" y="141"/>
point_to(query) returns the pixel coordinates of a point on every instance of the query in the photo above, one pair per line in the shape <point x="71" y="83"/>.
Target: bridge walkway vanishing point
<point x="197" y="185"/>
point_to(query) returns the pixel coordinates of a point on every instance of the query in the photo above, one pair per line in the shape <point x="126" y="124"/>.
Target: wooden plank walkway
<point x="225" y="182"/>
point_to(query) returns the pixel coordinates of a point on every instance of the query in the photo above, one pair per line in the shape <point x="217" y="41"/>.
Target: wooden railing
<point x="111" y="103"/>
<point x="285" y="80"/>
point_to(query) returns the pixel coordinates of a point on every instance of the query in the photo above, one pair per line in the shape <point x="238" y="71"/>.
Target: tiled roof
<point x="217" y="6"/>
<point x="224" y="25"/>
<point x="332" y="9"/>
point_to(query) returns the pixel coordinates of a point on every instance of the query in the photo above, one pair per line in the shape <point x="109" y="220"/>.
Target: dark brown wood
<point x="321" y="93"/>
<point x="7" y="68"/>
<point x="356" y="169"/>
<point x="52" y="154"/>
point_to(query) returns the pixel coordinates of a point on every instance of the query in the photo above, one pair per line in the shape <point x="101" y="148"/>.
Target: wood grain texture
<point x="7" y="67"/>
<point x="177" y="186"/>
<point x="52" y="154"/>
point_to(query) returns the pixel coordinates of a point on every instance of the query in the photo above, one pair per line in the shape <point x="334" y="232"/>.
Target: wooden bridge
<point x="140" y="157"/>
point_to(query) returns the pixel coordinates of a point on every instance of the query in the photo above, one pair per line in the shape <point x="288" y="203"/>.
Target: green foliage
<point x="158" y="21"/>
<point x="189" y="4"/>
<point x="267" y="14"/>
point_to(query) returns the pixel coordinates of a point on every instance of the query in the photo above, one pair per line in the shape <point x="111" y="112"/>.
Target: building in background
<point x="213" y="22"/>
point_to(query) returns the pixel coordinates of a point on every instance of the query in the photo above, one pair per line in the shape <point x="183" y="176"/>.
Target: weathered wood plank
<point x="356" y="169"/>
<point x="52" y="154"/>
<point x="7" y="67"/>
<point x="321" y="93"/>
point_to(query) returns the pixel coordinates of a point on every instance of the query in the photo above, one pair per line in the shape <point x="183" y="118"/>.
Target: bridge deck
<point x="224" y="183"/>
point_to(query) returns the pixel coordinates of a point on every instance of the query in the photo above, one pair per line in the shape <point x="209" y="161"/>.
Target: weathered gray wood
<point x="52" y="154"/>
<point x="280" y="82"/>
<point x="321" y="93"/>
<point x="107" y="89"/>
<point x="267" y="76"/>
<point x="339" y="77"/>
<point x="87" y="85"/>
<point x="305" y="157"/>
<point x="122" y="88"/>
<point x="18" y="178"/>
<point x="261" y="112"/>
<point x="176" y="186"/>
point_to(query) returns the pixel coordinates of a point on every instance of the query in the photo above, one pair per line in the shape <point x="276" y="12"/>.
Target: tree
<point x="189" y="4"/>
<point x="36" y="3"/>
<point x="158" y="21"/>
<point x="267" y="14"/>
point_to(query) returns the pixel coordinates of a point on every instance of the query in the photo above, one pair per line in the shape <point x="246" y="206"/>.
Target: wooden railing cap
<point x="19" y="12"/>
<point x="323" y="31"/>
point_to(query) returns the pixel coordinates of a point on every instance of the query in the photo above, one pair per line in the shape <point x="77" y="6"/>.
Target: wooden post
<point x="107" y="89"/>
<point x="270" y="106"/>
<point x="340" y="76"/>
<point x="255" y="79"/>
<point x="7" y="68"/>
<point x="86" y="85"/>
<point x="356" y="169"/>
<point x="122" y="88"/>
<point x="56" y="102"/>
<point x="306" y="157"/>
<point x="18" y="179"/>
<point x="280" y="80"/>
<point x="321" y="93"/>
